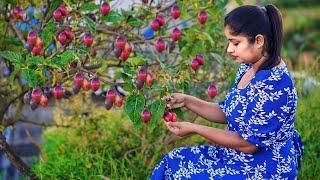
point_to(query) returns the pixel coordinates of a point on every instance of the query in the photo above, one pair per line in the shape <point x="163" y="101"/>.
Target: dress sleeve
<point x="269" y="114"/>
<point x="221" y="104"/>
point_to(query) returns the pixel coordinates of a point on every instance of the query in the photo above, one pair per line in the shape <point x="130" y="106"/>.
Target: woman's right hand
<point x="176" y="100"/>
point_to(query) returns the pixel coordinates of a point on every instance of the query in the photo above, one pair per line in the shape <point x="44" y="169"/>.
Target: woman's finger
<point x="177" y="105"/>
<point x="174" y="124"/>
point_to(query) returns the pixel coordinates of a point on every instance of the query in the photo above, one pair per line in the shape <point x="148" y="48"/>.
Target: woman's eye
<point x="235" y="44"/>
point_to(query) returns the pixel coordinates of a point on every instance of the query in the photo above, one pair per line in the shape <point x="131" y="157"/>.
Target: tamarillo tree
<point x="132" y="57"/>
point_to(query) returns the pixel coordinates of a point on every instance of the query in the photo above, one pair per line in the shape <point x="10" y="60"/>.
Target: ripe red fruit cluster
<point x="123" y="49"/>
<point x="65" y="36"/>
<point x="197" y="62"/>
<point x="59" y="12"/>
<point x="58" y="92"/>
<point x="158" y="22"/>
<point x="35" y="43"/>
<point x="112" y="98"/>
<point x="170" y="116"/>
<point x="17" y="13"/>
<point x="160" y="45"/>
<point x="176" y="34"/>
<point x="38" y="97"/>
<point x="80" y="82"/>
<point x="95" y="83"/>
<point x="175" y="12"/>
<point x="87" y="39"/>
<point x="202" y="17"/>
<point x="143" y="77"/>
<point x="105" y="8"/>
<point x="145" y="115"/>
<point x="212" y="91"/>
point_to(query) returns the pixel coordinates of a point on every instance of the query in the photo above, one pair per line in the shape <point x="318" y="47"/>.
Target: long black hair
<point x="253" y="20"/>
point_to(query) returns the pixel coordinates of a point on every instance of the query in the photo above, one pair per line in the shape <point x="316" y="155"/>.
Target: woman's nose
<point x="230" y="49"/>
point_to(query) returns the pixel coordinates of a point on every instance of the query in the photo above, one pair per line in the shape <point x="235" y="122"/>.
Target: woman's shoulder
<point x="277" y="76"/>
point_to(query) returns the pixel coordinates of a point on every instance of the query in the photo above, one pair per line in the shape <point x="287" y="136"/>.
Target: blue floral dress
<point x="263" y="113"/>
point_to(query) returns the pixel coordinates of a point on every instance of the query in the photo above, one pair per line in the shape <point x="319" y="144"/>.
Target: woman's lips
<point x="233" y="57"/>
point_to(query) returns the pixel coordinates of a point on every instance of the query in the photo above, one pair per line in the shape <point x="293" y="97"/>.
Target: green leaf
<point x="184" y="85"/>
<point x="12" y="40"/>
<point x="217" y="57"/>
<point x="209" y="38"/>
<point x="54" y="5"/>
<point x="82" y="49"/>
<point x="91" y="6"/>
<point x="135" y="22"/>
<point x="13" y="76"/>
<point x="134" y="106"/>
<point x="68" y="56"/>
<point x="12" y="57"/>
<point x="31" y="77"/>
<point x="128" y="87"/>
<point x="179" y="113"/>
<point x="113" y="17"/>
<point x="157" y="109"/>
<point x="129" y="70"/>
<point x="63" y="59"/>
<point x="137" y="60"/>
<point x="91" y="25"/>
<point x="34" y="60"/>
<point x="48" y="33"/>
<point x="55" y="62"/>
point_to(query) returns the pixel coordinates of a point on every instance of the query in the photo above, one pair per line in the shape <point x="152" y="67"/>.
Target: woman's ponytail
<point x="274" y="51"/>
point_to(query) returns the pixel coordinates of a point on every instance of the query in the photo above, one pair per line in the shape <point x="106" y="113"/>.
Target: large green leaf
<point x="47" y="33"/>
<point x="91" y="25"/>
<point x="31" y="77"/>
<point x="157" y="109"/>
<point x="12" y="57"/>
<point x="54" y="5"/>
<point x="34" y="60"/>
<point x="91" y="6"/>
<point x="135" y="22"/>
<point x="113" y="17"/>
<point x="179" y="113"/>
<point x="68" y="56"/>
<point x="82" y="49"/>
<point x="134" y="106"/>
<point x="63" y="59"/>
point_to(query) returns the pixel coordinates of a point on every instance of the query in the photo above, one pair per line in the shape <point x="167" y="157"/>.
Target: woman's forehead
<point x="231" y="37"/>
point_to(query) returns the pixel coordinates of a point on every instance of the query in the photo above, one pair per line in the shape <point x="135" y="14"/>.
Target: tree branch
<point x="44" y="124"/>
<point x="14" y="159"/>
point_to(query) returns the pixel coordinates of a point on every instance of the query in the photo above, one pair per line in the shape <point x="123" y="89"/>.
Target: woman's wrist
<point x="194" y="128"/>
<point x="186" y="100"/>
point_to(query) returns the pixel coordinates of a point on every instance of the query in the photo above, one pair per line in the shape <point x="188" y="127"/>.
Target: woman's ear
<point x="259" y="41"/>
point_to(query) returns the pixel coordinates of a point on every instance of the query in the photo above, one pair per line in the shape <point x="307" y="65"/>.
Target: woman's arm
<point x="217" y="136"/>
<point x="225" y="138"/>
<point x="207" y="110"/>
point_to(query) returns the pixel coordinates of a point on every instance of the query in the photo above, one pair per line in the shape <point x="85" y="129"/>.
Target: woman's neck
<point x="257" y="64"/>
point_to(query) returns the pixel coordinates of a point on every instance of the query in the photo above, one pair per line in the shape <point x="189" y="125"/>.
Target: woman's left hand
<point x="181" y="128"/>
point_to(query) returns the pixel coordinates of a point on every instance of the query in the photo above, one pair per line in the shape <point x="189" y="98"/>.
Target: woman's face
<point x="241" y="50"/>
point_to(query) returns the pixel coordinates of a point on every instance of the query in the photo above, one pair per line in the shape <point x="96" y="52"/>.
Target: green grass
<point x="308" y="124"/>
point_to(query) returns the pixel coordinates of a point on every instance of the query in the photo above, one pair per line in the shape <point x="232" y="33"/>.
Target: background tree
<point x="57" y="49"/>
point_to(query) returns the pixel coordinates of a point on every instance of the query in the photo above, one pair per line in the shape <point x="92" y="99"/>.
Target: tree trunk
<point x="14" y="159"/>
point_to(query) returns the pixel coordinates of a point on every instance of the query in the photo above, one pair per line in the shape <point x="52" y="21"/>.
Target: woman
<point x="261" y="142"/>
